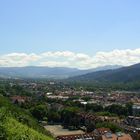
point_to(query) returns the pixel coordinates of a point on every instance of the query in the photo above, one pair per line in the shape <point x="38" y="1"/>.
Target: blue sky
<point x="77" y="26"/>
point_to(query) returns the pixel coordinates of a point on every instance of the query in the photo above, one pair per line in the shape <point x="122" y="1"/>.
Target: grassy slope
<point x="15" y="130"/>
<point x="17" y="124"/>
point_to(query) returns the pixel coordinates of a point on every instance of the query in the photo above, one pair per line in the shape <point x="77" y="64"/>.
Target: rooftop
<point x="117" y="136"/>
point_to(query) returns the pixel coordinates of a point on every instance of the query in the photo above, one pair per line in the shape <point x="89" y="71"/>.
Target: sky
<point x="71" y="33"/>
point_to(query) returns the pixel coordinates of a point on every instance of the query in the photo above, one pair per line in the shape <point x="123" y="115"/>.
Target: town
<point x="73" y="113"/>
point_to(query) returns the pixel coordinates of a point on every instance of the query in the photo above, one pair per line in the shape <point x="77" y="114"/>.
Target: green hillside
<point x="17" y="124"/>
<point x="124" y="74"/>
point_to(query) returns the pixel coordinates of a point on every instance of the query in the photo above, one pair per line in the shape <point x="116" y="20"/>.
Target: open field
<point x="57" y="130"/>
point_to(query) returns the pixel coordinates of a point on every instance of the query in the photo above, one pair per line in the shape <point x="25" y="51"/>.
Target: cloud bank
<point x="71" y="59"/>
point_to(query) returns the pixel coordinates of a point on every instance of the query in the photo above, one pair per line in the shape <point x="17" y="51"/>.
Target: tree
<point x="117" y="109"/>
<point x="94" y="107"/>
<point x="68" y="114"/>
<point x="90" y="127"/>
<point x="53" y="116"/>
<point x="39" y="111"/>
<point x="129" y="108"/>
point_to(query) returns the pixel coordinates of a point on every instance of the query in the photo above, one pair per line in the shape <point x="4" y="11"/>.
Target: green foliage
<point x="12" y="129"/>
<point x="129" y="108"/>
<point x="106" y="114"/>
<point x="68" y="114"/>
<point x="15" y="121"/>
<point x="53" y="116"/>
<point x="20" y="131"/>
<point x="86" y="98"/>
<point x="117" y="109"/>
<point x="20" y="114"/>
<point x="39" y="111"/>
<point x="94" y="107"/>
<point x="106" y="86"/>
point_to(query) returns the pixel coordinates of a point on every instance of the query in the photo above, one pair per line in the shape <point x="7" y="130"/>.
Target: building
<point x="19" y="99"/>
<point x="136" y="110"/>
<point x="116" y="136"/>
<point x="92" y="136"/>
<point x="101" y="131"/>
<point x="88" y="136"/>
<point x="133" y="121"/>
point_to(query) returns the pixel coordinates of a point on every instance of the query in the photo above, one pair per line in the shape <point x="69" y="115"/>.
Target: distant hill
<point x="36" y="72"/>
<point x="45" y="72"/>
<point x="107" y="67"/>
<point x="124" y="74"/>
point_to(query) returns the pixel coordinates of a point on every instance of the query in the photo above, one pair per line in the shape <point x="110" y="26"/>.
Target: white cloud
<point x="18" y="59"/>
<point x="72" y="59"/>
<point x="55" y="64"/>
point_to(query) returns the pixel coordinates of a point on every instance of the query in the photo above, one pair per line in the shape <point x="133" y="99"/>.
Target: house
<point x="101" y="131"/>
<point x="86" y="136"/>
<point x="58" y="97"/>
<point x="19" y="99"/>
<point x="136" y="109"/>
<point x="133" y="121"/>
<point x="109" y="119"/>
<point x="92" y="136"/>
<point x="116" y="136"/>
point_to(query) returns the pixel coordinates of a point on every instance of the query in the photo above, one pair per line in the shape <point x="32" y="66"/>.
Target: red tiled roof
<point x="18" y="98"/>
<point x="77" y="136"/>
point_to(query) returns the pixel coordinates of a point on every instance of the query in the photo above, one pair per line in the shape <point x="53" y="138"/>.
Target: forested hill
<point x="121" y="75"/>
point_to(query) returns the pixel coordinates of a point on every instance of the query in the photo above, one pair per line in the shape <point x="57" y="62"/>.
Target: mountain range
<point x="120" y="75"/>
<point x="47" y="72"/>
<point x="106" y="74"/>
